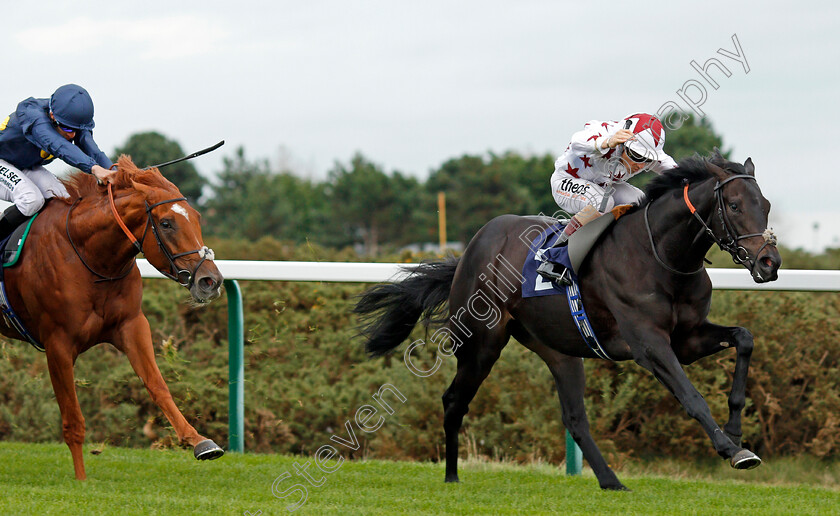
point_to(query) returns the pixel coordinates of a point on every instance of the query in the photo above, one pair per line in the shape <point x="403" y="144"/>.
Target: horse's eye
<point x="165" y="224"/>
<point x="733" y="206"/>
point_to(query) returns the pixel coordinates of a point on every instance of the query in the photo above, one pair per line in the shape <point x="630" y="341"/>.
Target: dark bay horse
<point x="643" y="285"/>
<point x="78" y="284"/>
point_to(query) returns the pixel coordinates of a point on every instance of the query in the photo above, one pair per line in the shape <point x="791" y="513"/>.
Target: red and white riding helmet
<point x="650" y="136"/>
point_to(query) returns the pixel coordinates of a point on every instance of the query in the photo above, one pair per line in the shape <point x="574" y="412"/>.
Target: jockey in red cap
<point x="590" y="178"/>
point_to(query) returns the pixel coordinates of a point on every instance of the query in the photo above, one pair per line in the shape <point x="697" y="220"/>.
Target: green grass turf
<point x="38" y="479"/>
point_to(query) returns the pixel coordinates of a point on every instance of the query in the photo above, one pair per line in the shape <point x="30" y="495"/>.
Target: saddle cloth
<point x="10" y="252"/>
<point x="535" y="285"/>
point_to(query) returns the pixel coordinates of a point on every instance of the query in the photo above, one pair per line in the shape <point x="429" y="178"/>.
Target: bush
<point x="306" y="374"/>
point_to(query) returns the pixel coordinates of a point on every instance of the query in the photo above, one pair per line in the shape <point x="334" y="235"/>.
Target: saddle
<point x="11" y="247"/>
<point x="583" y="240"/>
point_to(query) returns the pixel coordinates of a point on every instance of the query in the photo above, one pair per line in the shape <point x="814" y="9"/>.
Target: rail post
<point x="574" y="457"/>
<point x="236" y="368"/>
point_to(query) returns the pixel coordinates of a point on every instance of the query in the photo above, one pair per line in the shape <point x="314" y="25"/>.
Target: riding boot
<point x="557" y="272"/>
<point x="579" y="219"/>
<point x="12" y="218"/>
<point x="562" y="239"/>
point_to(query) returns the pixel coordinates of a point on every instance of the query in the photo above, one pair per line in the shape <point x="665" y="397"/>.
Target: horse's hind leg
<point x="476" y="357"/>
<point x="135" y="340"/>
<point x="708" y="339"/>
<point x="60" y="361"/>
<point x="570" y="381"/>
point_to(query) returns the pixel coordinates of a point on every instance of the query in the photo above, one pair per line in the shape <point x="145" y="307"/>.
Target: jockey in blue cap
<point x="36" y="133"/>
<point x="590" y="178"/>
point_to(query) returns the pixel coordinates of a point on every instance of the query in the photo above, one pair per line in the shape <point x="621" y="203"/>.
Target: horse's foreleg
<point x="709" y="339"/>
<point x="652" y="350"/>
<point x="473" y="368"/>
<point x="60" y="361"/>
<point x="135" y="340"/>
<point x="743" y="342"/>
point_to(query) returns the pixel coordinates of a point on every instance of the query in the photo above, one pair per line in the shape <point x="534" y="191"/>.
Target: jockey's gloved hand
<point x="618" y="138"/>
<point x="103" y="175"/>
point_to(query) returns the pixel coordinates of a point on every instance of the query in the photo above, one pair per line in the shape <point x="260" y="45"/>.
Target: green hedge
<point x="306" y="375"/>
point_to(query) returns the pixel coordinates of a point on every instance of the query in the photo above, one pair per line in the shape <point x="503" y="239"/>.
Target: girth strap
<point x="582" y="321"/>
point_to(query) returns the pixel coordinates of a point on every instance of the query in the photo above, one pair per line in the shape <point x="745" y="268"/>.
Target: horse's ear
<point x="749" y="168"/>
<point x="716" y="171"/>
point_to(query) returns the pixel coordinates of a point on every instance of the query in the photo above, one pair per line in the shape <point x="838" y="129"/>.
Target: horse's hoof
<point x="615" y="487"/>
<point x="451" y="479"/>
<point x="207" y="450"/>
<point x="745" y="459"/>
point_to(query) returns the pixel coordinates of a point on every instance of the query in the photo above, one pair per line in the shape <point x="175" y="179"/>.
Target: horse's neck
<point x="680" y="239"/>
<point x="99" y="239"/>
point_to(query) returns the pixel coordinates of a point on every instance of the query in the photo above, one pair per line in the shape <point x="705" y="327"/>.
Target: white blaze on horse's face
<point x="177" y="208"/>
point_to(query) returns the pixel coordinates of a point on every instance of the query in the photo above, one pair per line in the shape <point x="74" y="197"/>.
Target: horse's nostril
<point x="767" y="261"/>
<point x="206" y="283"/>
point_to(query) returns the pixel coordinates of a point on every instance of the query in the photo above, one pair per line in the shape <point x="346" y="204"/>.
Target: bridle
<point x="729" y="243"/>
<point x="184" y="277"/>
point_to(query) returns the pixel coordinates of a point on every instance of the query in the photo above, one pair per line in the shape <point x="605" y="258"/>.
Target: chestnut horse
<point x="77" y="284"/>
<point x="645" y="290"/>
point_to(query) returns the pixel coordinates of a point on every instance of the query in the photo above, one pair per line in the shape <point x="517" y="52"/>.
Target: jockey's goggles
<point x="65" y="128"/>
<point x="636" y="157"/>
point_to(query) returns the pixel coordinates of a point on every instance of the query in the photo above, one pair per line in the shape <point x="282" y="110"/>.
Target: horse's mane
<point x="80" y="184"/>
<point x="691" y="169"/>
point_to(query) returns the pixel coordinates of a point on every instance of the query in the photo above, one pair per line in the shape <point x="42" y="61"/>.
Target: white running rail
<point x="351" y="272"/>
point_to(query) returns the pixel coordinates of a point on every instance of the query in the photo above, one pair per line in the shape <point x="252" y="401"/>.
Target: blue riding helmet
<point x="72" y="106"/>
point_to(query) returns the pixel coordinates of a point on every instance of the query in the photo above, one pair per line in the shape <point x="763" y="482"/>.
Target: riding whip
<point x="191" y="156"/>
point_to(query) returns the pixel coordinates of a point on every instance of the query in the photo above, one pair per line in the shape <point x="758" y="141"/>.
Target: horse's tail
<point x="391" y="310"/>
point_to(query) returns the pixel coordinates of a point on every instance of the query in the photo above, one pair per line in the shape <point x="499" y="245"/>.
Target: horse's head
<point x="740" y="224"/>
<point x="176" y="249"/>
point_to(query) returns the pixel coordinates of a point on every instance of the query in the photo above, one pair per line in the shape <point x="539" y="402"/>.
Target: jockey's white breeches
<point x="573" y="193"/>
<point x="28" y="189"/>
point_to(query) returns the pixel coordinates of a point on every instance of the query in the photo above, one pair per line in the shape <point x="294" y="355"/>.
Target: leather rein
<point x="184" y="277"/>
<point x="729" y="243"/>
